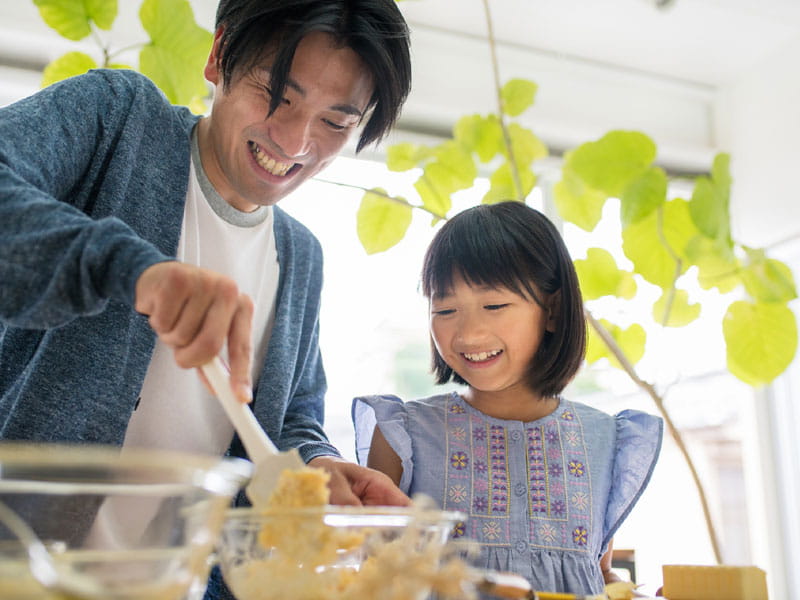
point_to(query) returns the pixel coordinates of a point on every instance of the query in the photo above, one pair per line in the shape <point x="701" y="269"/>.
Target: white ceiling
<point x="600" y="64"/>
<point x="706" y="42"/>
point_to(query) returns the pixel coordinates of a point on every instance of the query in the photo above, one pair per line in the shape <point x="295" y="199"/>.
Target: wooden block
<point x="694" y="582"/>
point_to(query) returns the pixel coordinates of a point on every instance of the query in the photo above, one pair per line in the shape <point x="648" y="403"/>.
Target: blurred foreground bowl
<point x="333" y="553"/>
<point x="140" y="524"/>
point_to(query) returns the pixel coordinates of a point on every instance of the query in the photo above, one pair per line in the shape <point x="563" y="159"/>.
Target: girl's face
<point x="489" y="336"/>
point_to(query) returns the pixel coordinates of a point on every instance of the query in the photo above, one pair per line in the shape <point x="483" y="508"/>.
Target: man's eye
<point x="333" y="125"/>
<point x="284" y="100"/>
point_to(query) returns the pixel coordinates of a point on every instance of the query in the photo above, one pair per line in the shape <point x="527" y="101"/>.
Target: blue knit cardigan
<point x="93" y="178"/>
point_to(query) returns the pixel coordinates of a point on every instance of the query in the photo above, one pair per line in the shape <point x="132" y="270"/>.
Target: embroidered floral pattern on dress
<point x="459" y="460"/>
<point x="554" y="461"/>
<point x="499" y="470"/>
<point x="457" y="493"/>
<point x="491" y="531"/>
<point x="580" y="536"/>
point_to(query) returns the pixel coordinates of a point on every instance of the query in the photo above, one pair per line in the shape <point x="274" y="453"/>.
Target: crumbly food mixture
<point x="310" y="560"/>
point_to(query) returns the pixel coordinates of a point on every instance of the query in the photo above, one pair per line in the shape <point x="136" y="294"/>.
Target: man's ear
<point x="212" y="69"/>
<point x="553" y="311"/>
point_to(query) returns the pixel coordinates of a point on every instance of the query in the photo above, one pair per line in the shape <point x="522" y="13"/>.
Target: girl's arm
<point x="383" y="458"/>
<point x="605" y="565"/>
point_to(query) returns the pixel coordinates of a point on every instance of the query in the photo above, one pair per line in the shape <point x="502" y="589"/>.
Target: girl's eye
<point x="444" y="312"/>
<point x="495" y="306"/>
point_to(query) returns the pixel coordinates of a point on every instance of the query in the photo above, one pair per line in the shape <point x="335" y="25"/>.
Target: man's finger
<point x="240" y="349"/>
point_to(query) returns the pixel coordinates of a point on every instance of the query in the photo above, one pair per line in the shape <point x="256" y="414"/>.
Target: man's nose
<point x="291" y="132"/>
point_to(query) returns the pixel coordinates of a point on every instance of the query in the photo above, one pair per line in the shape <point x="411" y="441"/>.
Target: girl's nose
<point x="470" y="329"/>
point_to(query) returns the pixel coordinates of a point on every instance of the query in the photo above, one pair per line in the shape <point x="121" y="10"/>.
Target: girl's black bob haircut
<point x="373" y="29"/>
<point x="512" y="245"/>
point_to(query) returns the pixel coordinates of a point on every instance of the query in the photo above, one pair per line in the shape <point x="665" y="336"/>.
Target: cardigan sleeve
<point x="60" y="256"/>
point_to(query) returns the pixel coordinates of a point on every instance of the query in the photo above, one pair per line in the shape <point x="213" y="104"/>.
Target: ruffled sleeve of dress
<point x="638" y="443"/>
<point x="389" y="413"/>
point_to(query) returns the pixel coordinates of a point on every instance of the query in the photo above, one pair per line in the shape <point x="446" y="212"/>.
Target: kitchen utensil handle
<point x="253" y="437"/>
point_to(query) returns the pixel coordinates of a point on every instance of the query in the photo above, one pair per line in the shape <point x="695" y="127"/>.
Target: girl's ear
<point x="553" y="311"/>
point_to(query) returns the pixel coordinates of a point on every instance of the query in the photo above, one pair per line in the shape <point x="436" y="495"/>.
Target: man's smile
<point x="269" y="164"/>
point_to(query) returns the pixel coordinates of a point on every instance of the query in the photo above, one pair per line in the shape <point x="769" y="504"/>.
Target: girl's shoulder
<point x="396" y="404"/>
<point x="591" y="413"/>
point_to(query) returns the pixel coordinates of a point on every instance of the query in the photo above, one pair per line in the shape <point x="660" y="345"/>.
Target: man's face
<point x="253" y="159"/>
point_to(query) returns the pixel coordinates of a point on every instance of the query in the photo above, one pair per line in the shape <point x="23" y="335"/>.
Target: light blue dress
<point x="543" y="498"/>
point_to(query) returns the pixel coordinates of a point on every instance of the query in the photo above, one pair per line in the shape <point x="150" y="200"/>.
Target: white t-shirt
<point x="175" y="411"/>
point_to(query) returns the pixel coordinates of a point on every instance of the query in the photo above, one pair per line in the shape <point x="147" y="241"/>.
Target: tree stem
<point x="612" y="345"/>
<point x="500" y="109"/>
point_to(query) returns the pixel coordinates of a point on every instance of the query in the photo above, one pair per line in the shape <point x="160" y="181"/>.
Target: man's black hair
<point x="373" y="29"/>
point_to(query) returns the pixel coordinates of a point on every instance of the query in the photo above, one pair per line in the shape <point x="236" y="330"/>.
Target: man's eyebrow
<point x="347" y="109"/>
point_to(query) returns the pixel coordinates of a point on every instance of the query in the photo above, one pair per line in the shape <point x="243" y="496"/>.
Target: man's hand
<point x="195" y="311"/>
<point x="355" y="485"/>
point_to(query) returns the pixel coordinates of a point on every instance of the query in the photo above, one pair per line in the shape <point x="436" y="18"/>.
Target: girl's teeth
<point x="481" y="355"/>
<point x="269" y="164"/>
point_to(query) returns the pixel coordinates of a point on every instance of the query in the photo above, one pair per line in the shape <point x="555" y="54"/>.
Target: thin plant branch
<point x="500" y="108"/>
<point x="383" y="194"/>
<point x="612" y="345"/>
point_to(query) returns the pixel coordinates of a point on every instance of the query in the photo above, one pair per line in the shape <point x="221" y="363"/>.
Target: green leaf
<point x="72" y="18"/>
<point x="710" y="202"/>
<point x="381" y="222"/>
<point x="613" y="161"/>
<point x="69" y="65"/>
<point x="525" y="145"/>
<point x="717" y="266"/>
<point x="578" y="203"/>
<point x="644" y="243"/>
<point x="599" y="276"/>
<point x="481" y="135"/>
<point x="502" y="187"/>
<point x="673" y="309"/>
<point x="761" y="340"/>
<point x="643" y="195"/>
<point x="768" y="279"/>
<point x="178" y="49"/>
<point x="517" y="96"/>
<point x="454" y="166"/>
<point x="631" y="341"/>
<point x="433" y="199"/>
<point x="102" y="12"/>
<point x="404" y="156"/>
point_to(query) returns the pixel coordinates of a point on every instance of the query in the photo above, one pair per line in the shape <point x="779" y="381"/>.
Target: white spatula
<point x="267" y="460"/>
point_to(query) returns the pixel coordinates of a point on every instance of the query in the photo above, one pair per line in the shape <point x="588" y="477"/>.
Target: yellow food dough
<point x="307" y="559"/>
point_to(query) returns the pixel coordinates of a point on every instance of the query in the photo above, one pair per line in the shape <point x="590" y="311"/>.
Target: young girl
<point x="545" y="482"/>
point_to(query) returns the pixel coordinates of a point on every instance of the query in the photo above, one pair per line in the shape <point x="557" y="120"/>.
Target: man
<point x="138" y="241"/>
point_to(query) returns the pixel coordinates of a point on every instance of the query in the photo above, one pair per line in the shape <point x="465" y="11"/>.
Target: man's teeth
<point x="269" y="164"/>
<point x="481" y="355"/>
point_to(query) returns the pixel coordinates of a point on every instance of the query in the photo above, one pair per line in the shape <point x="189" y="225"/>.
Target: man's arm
<point x="57" y="260"/>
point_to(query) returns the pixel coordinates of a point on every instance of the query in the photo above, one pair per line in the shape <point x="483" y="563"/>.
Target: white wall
<point x="758" y="122"/>
<point x="577" y="101"/>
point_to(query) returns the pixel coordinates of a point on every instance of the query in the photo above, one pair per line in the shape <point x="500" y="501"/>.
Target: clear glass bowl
<point x="139" y="525"/>
<point x="334" y="553"/>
